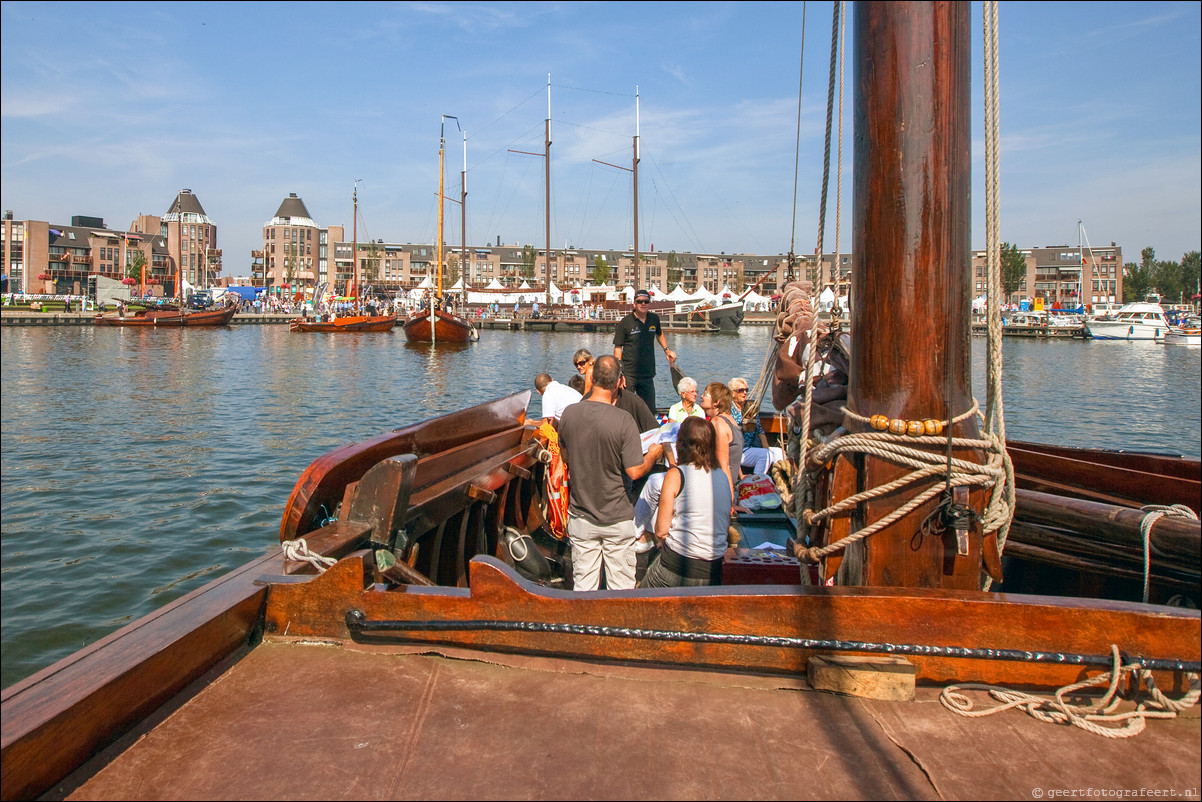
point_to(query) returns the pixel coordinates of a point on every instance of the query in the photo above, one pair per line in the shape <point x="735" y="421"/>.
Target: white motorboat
<point x="1188" y="334"/>
<point x="1137" y="321"/>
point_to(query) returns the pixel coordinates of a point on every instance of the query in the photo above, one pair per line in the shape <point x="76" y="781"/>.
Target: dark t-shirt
<point x="638" y="339"/>
<point x="600" y="442"/>
<point x="633" y="403"/>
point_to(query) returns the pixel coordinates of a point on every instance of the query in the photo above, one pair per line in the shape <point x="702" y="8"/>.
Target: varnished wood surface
<point x="447" y="328"/>
<point x="885" y="615"/>
<point x="60" y="716"/>
<point x="323" y="482"/>
<point x="170" y="318"/>
<point x="354" y="323"/>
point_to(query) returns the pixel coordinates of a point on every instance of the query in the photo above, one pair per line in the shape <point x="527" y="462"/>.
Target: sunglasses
<point x="642" y="301"/>
<point x="742" y="391"/>
<point x="582" y="363"/>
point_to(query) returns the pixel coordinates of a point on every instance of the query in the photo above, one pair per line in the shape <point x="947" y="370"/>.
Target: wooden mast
<point x="547" y="173"/>
<point x="911" y="351"/>
<point x="354" y="285"/>
<point x="463" y="228"/>
<point x="635" y="171"/>
<point x="441" y="149"/>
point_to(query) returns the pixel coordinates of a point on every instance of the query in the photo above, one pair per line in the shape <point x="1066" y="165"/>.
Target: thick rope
<point x="1155" y="513"/>
<point x="299" y="550"/>
<point x="1100" y="719"/>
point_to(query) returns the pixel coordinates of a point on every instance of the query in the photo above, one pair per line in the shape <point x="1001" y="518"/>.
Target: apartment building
<point x="53" y="258"/>
<point x="1071" y="275"/>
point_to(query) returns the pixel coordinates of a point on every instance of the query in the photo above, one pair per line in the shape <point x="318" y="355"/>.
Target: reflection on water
<point x="139" y="464"/>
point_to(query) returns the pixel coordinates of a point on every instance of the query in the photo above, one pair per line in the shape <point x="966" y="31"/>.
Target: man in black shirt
<point x="635" y="338"/>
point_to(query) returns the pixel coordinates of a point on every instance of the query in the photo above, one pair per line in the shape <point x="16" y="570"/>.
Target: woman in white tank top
<point x="693" y="514"/>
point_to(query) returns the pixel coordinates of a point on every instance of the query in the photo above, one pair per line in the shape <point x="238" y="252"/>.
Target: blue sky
<point x="109" y="108"/>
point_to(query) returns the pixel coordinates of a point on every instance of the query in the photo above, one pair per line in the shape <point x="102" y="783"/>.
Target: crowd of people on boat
<point x="649" y="501"/>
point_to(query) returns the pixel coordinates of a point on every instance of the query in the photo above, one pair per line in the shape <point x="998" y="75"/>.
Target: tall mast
<point x="547" y="171"/>
<point x="441" y="150"/>
<point x="355" y="239"/>
<point x="636" y="186"/>
<point x="911" y="239"/>
<point x="463" y="225"/>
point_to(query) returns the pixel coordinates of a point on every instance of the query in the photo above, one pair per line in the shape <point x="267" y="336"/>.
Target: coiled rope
<point x="1100" y="718"/>
<point x="299" y="550"/>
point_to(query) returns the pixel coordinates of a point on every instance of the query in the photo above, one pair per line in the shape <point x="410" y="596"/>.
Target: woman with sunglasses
<point x="757" y="454"/>
<point x="583" y="360"/>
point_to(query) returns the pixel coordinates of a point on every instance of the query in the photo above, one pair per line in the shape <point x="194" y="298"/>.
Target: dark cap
<point x="642" y="294"/>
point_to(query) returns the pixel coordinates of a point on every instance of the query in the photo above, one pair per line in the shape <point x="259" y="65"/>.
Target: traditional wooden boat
<point x="432" y="324"/>
<point x="413" y="618"/>
<point x="347" y="323"/>
<point x="163" y="318"/>
<point x="355" y="322"/>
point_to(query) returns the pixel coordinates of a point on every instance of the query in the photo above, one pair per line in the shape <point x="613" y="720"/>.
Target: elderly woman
<point x="693" y="514"/>
<point x="687" y="406"/>
<point x="757" y="454"/>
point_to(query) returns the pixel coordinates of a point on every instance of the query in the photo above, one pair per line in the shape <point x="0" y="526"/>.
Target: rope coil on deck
<point x="298" y="550"/>
<point x="1100" y="718"/>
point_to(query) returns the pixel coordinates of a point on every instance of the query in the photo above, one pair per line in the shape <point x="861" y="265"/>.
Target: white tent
<point x="495" y="285"/>
<point x="556" y="293"/>
<point x="427" y="283"/>
<point x="628" y="293"/>
<point x="679" y="294"/>
<point x="754" y="302"/>
<point x="726" y="294"/>
<point x="525" y="286"/>
<point x="657" y="294"/>
<point x="702" y="294"/>
<point x="826" y="299"/>
<point x="458" y="284"/>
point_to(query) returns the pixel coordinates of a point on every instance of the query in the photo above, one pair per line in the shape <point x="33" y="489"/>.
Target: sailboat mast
<point x="635" y="170"/>
<point x="463" y="228"/>
<point x="547" y="173"/>
<point x="441" y="151"/>
<point x="354" y="286"/>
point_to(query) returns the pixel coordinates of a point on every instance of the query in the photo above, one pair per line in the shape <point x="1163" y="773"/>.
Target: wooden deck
<point x="305" y="721"/>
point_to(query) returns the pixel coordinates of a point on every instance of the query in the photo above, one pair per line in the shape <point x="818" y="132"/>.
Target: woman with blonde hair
<point x="728" y="433"/>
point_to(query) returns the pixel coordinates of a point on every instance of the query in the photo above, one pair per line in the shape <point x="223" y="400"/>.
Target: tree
<point x="600" y="270"/>
<point x="527" y="262"/>
<point x="1191" y="273"/>
<point x="674" y="271"/>
<point x="371" y="264"/>
<point x="1137" y="280"/>
<point x="1013" y="270"/>
<point x="452" y="272"/>
<point x="291" y="262"/>
<point x="1169" y="280"/>
<point x="137" y="261"/>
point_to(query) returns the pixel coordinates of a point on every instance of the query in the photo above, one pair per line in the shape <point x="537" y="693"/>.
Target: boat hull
<point x="1183" y="337"/>
<point x="355" y="323"/>
<point x="438" y="326"/>
<point x="687" y="317"/>
<point x="170" y="318"/>
<point x="1124" y="330"/>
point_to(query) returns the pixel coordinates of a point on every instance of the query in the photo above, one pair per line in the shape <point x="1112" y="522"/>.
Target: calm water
<point x="138" y="465"/>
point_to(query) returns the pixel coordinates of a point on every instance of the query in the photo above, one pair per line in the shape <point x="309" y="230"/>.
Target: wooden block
<point x="872" y="677"/>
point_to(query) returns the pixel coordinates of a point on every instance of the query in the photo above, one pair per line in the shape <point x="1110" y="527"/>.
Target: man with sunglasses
<point x="635" y="338"/>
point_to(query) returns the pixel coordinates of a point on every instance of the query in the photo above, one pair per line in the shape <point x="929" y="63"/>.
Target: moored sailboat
<point x="431" y="323"/>
<point x="357" y="321"/>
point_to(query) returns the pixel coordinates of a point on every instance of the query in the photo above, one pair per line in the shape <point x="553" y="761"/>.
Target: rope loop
<point x="1099" y="718"/>
<point x="299" y="550"/>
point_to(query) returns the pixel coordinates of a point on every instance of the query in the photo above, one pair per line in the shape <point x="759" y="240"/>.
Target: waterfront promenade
<point x="24" y="317"/>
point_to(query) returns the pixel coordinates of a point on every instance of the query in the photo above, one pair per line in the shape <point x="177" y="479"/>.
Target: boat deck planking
<point x="370" y="725"/>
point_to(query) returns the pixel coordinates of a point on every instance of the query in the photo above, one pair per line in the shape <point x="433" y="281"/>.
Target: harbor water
<point x="138" y="465"/>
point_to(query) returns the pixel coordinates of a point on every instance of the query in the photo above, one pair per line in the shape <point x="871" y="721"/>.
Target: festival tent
<point x="726" y="294"/>
<point x="555" y="292"/>
<point x="826" y="299"/>
<point x="754" y="302"/>
<point x="702" y="293"/>
<point x="495" y="285"/>
<point x="628" y="294"/>
<point x="679" y="294"/>
<point x="427" y="284"/>
<point x="657" y="294"/>
<point x="525" y="286"/>
<point x="978" y="304"/>
<point x="458" y="285"/>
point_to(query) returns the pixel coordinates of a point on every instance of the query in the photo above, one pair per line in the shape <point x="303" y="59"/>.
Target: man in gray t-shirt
<point x="600" y="445"/>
